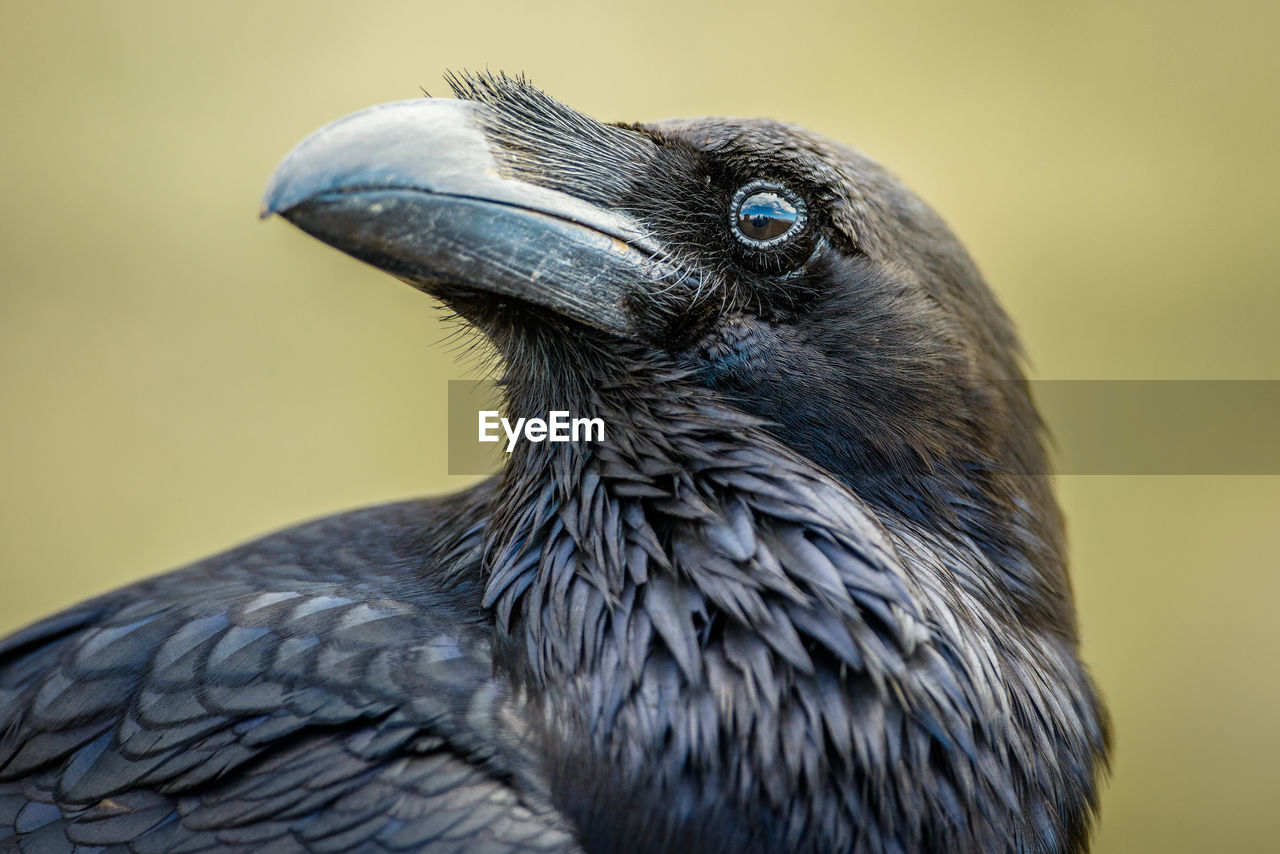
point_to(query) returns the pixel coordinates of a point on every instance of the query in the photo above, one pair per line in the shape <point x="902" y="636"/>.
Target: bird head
<point x="746" y="261"/>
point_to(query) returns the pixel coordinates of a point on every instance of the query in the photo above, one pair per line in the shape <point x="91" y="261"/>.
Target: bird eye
<point x="765" y="214"/>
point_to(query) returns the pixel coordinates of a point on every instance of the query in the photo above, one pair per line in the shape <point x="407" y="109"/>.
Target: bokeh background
<point x="176" y="376"/>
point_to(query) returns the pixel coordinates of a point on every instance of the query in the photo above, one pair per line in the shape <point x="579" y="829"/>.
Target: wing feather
<point x="340" y="669"/>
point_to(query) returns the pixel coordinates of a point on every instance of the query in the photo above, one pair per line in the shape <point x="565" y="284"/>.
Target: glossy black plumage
<point x="804" y="597"/>
<point x="322" y="689"/>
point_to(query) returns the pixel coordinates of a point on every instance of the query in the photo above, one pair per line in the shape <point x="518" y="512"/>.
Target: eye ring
<point x="765" y="214"/>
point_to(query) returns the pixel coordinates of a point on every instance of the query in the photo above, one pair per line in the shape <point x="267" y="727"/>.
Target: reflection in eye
<point x="765" y="214"/>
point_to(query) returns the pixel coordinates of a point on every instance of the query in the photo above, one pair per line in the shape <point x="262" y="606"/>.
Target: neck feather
<point x="707" y="626"/>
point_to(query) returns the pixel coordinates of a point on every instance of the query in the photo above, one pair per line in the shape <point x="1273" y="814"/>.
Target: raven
<point x="807" y="594"/>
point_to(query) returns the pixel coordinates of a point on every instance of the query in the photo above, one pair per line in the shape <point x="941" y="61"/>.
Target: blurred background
<point x="176" y="376"/>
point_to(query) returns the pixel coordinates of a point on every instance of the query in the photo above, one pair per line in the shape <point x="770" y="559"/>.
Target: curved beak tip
<point x="273" y="201"/>
<point x="290" y="186"/>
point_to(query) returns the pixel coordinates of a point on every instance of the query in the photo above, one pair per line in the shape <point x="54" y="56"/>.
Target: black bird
<point x="807" y="595"/>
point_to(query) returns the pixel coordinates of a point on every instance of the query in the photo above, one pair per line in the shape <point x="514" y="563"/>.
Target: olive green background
<point x="176" y="376"/>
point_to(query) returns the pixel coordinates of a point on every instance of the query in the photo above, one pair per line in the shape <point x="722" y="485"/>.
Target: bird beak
<point x="414" y="188"/>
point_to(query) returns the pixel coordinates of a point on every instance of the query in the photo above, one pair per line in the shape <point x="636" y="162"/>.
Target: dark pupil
<point x="764" y="216"/>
